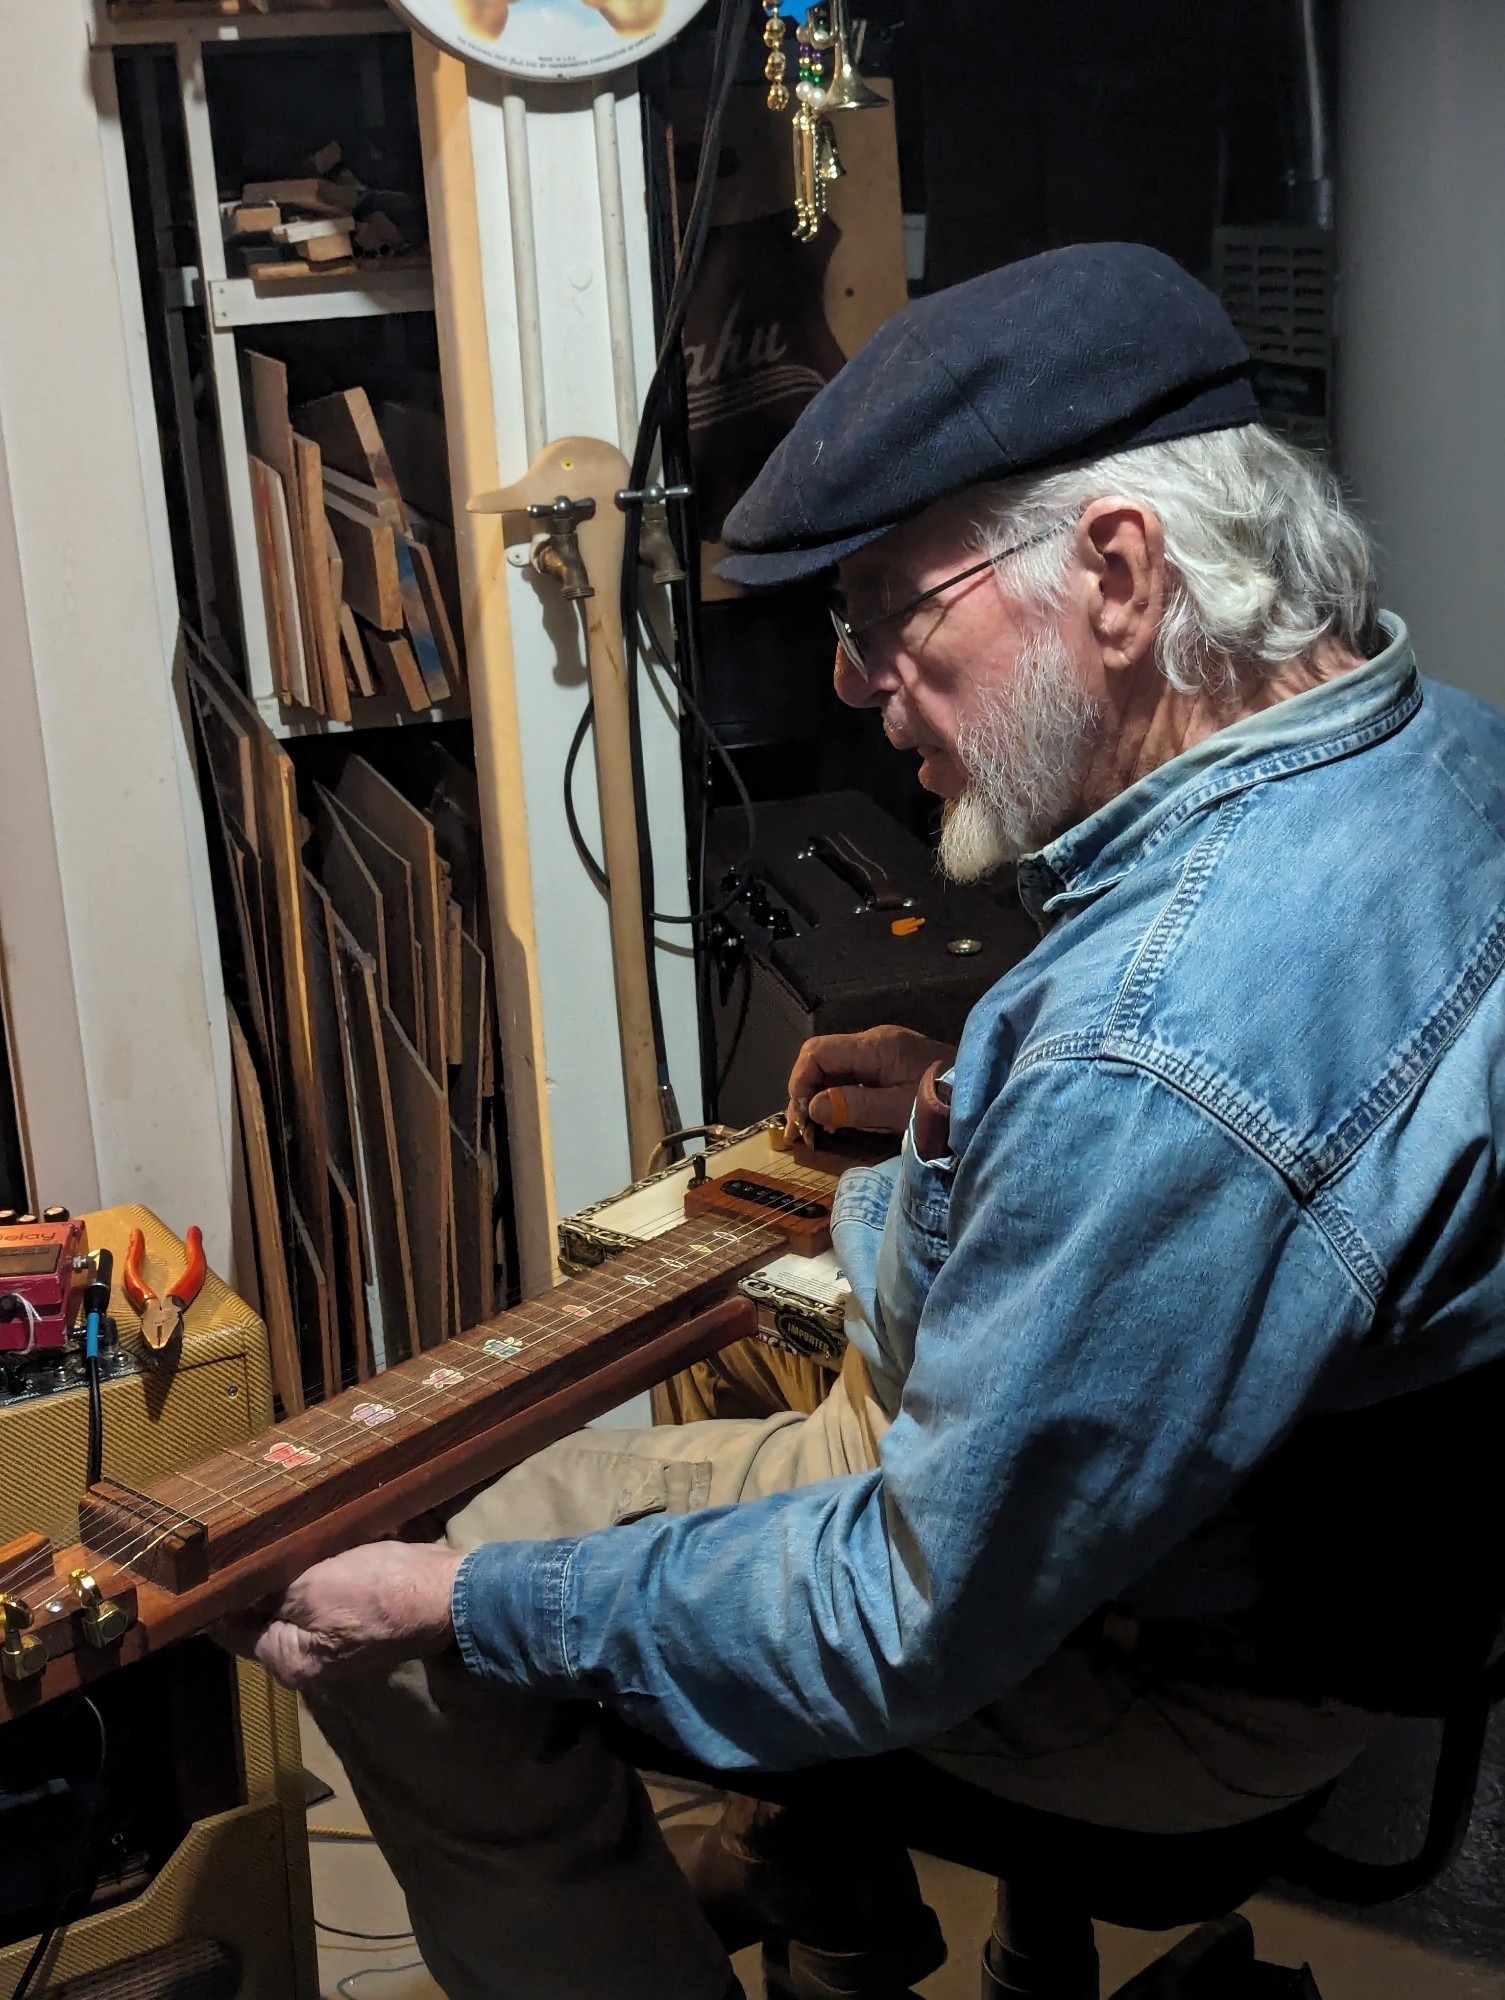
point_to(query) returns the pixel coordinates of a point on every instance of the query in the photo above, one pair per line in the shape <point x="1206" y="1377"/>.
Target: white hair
<point x="1265" y="557"/>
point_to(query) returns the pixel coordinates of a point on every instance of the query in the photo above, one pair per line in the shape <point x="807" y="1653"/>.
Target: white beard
<point x="1024" y="752"/>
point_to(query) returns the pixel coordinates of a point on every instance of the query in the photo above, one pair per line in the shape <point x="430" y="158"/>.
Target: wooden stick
<point x="465" y="369"/>
<point x="588" y="468"/>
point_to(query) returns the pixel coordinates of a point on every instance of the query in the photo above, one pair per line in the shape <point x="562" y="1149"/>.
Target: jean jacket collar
<point x="1328" y="721"/>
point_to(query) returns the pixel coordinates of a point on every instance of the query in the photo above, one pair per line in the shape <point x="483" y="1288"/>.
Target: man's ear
<point x="1121" y="548"/>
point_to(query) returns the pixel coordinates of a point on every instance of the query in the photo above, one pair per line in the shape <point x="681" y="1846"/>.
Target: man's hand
<point x="868" y="1081"/>
<point x="356" y="1613"/>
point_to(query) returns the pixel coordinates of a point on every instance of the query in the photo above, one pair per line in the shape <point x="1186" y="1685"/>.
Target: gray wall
<point x="1421" y="367"/>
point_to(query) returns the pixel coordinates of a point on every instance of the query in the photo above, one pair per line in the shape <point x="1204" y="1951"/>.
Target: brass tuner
<point x="21" y="1654"/>
<point x="102" y="1621"/>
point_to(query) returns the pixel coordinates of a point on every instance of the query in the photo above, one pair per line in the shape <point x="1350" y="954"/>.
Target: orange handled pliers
<point x="162" y="1318"/>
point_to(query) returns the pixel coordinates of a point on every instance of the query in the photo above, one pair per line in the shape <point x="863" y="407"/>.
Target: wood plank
<point x="467" y="1080"/>
<point x="355" y="652"/>
<point x="230" y="755"/>
<point x="454" y="927"/>
<point x="420" y="632"/>
<point x="356" y="1357"/>
<point x="465" y="362"/>
<point x="370" y="1224"/>
<point x="274" y="551"/>
<point x="393" y="877"/>
<point x="345" y="428"/>
<point x="472" y="1231"/>
<point x="393" y="658"/>
<point x="361" y="495"/>
<point x="436" y="610"/>
<point x="276" y="1298"/>
<point x="352" y="890"/>
<point x="274" y="436"/>
<point x="323" y="609"/>
<point x="312" y="194"/>
<point x="388" y="1232"/>
<point x="421" y="1116"/>
<point x="368" y="549"/>
<point x="339" y="1121"/>
<point x="373" y="799"/>
<point x="316" y="1331"/>
<point x="419" y="454"/>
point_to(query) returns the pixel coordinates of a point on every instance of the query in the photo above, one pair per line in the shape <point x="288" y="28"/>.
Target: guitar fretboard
<point x="243" y="1498"/>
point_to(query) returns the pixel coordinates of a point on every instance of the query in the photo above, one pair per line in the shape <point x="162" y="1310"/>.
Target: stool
<point x="1057" y="1875"/>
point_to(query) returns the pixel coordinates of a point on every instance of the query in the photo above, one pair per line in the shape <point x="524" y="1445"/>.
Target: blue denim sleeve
<point x="1135" y="1308"/>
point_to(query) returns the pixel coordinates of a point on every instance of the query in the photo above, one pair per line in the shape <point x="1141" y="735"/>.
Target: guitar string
<point x="268" y="1475"/>
<point x="138" y="1542"/>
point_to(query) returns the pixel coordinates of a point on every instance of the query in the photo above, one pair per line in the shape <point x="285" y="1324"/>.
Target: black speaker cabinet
<point x="844" y="922"/>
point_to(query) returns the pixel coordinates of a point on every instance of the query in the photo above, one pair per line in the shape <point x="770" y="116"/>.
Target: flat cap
<point x="1055" y="359"/>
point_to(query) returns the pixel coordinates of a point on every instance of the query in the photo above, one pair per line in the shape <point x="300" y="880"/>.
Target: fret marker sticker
<point x="635" y="1278"/>
<point x="372" y="1415"/>
<point x="443" y="1378"/>
<point x="505" y="1348"/>
<point x="290" y="1456"/>
<point x="674" y="1263"/>
<point x="578" y="1312"/>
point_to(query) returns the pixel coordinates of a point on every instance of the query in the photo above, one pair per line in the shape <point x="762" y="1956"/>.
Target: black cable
<point x="361" y="1937"/>
<point x="708" y="912"/>
<point x="45" y="1942"/>
<point x="96" y="1304"/>
<point x="730" y="32"/>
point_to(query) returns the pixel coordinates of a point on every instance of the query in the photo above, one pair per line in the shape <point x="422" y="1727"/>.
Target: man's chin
<point x="973" y="845"/>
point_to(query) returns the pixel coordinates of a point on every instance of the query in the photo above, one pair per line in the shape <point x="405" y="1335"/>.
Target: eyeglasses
<point x="849" y="636"/>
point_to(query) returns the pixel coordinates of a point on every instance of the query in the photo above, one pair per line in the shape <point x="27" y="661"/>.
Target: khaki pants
<point x="529" y="1855"/>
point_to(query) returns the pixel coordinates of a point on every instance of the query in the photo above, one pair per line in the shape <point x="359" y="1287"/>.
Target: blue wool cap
<point x="1058" y="358"/>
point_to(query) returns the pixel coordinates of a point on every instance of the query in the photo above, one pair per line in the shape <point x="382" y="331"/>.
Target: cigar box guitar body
<point x="156" y="1565"/>
<point x="800" y="1295"/>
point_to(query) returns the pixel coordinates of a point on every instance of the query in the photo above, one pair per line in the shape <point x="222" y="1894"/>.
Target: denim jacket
<point x="1224" y="1153"/>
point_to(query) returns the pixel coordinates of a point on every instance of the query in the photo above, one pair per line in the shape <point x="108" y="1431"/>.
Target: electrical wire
<point x="346" y="1986"/>
<point x="709" y="911"/>
<point x="366" y="1937"/>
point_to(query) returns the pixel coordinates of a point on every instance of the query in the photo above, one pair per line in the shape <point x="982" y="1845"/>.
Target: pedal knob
<point x="22" y="1656"/>
<point x="56" y="1215"/>
<point x="102" y="1620"/>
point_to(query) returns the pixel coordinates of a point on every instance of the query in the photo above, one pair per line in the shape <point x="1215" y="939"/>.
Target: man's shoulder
<point x="1292" y="949"/>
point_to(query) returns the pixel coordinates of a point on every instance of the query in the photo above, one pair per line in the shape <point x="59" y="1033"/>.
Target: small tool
<point x="162" y="1318"/>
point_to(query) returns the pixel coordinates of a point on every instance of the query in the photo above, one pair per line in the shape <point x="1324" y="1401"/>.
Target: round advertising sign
<point x="557" y="39"/>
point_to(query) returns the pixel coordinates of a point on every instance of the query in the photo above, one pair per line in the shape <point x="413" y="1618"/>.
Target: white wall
<point x="113" y="977"/>
<point x="1421" y="370"/>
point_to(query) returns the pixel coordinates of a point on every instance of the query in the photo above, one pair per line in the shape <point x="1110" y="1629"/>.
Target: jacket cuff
<point x="507" y="1606"/>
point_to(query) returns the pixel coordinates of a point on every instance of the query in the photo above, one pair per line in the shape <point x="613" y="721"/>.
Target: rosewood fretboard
<point x="188" y="1528"/>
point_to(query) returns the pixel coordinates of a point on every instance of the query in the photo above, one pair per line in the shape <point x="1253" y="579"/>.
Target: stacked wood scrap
<point x="361" y="588"/>
<point x="362" y="1041"/>
<point x="320" y="223"/>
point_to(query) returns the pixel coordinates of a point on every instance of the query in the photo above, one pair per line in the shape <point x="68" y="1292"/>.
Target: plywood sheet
<point x="394" y="884"/>
<point x="261" y="1182"/>
<point x="324" y="615"/>
<point x="422" y="1127"/>
<point x="316" y="1331"/>
<point x="373" y="799"/>
<point x="345" y="429"/>
<point x="394" y="661"/>
<point x="356" y="1359"/>
<point x="368" y="549"/>
<point x="354" y="894"/>
<point x="391" y="1267"/>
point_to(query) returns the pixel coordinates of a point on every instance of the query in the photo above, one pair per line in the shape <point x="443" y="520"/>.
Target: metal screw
<point x="964" y="947"/>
